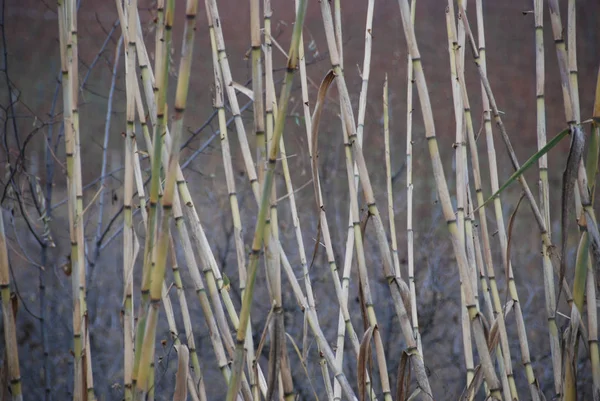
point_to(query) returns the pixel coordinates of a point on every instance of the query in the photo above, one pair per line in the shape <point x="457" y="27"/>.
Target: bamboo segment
<point x="459" y="145"/>
<point x="262" y="214"/>
<point x="442" y="187"/>
<point x="8" y="319"/>
<point x="163" y="45"/>
<point x="67" y="19"/>
<point x="410" y="235"/>
<point x="158" y="271"/>
<point x="130" y="243"/>
<point x="591" y="289"/>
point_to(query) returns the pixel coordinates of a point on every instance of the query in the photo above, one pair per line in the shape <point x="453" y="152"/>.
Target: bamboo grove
<point x="169" y="265"/>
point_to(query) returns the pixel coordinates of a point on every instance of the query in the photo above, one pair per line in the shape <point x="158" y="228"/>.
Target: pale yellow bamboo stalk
<point x="196" y="384"/>
<point x="459" y="146"/>
<point x="341" y="289"/>
<point x="130" y="243"/>
<point x="409" y="192"/>
<point x="88" y="379"/>
<point x="212" y="9"/>
<point x="388" y="172"/>
<point x="277" y="371"/>
<point x="477" y="326"/>
<point x="257" y="88"/>
<point x="64" y="16"/>
<point x="399" y="290"/>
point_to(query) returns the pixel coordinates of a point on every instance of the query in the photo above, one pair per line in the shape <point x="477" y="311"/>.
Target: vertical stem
<point x="129" y="251"/>
<point x="8" y="319"/>
<point x="262" y="214"/>
<point x="410" y="234"/>
<point x="65" y="14"/>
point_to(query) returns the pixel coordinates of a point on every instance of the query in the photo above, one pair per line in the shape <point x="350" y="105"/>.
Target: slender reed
<point x="442" y="187"/>
<point x="262" y="214"/>
<point x="158" y="272"/>
<point x="410" y="234"/>
<point x="129" y="236"/>
<point x="8" y="319"/>
<point x="459" y="146"/>
<point x="65" y="15"/>
<point x="163" y="46"/>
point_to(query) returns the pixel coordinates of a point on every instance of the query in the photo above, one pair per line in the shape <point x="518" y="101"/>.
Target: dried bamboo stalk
<point x="8" y="319"/>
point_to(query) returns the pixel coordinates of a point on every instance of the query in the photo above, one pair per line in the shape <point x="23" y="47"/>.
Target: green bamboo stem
<point x="205" y="252"/>
<point x="262" y="214"/>
<point x="215" y="321"/>
<point x="201" y="241"/>
<point x="163" y="45"/>
<point x="158" y="272"/>
<point x="8" y="319"/>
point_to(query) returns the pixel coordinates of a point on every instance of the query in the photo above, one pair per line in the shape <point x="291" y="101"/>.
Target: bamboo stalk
<point x="581" y="266"/>
<point x="459" y="145"/>
<point x="257" y="87"/>
<point x="87" y="375"/>
<point x="215" y="320"/>
<point x="65" y="14"/>
<point x="341" y="287"/>
<point x="388" y="172"/>
<point x="129" y="237"/>
<point x="279" y="370"/>
<point x="163" y="46"/>
<point x="410" y="235"/>
<point x="8" y="319"/>
<point x="197" y="382"/>
<point x="158" y="272"/>
<point x="352" y="181"/>
<point x="591" y="290"/>
<point x="477" y="326"/>
<point x="262" y="214"/>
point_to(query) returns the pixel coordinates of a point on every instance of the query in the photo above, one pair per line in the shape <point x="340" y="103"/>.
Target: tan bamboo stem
<point x="477" y="326"/>
<point x="8" y="319"/>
